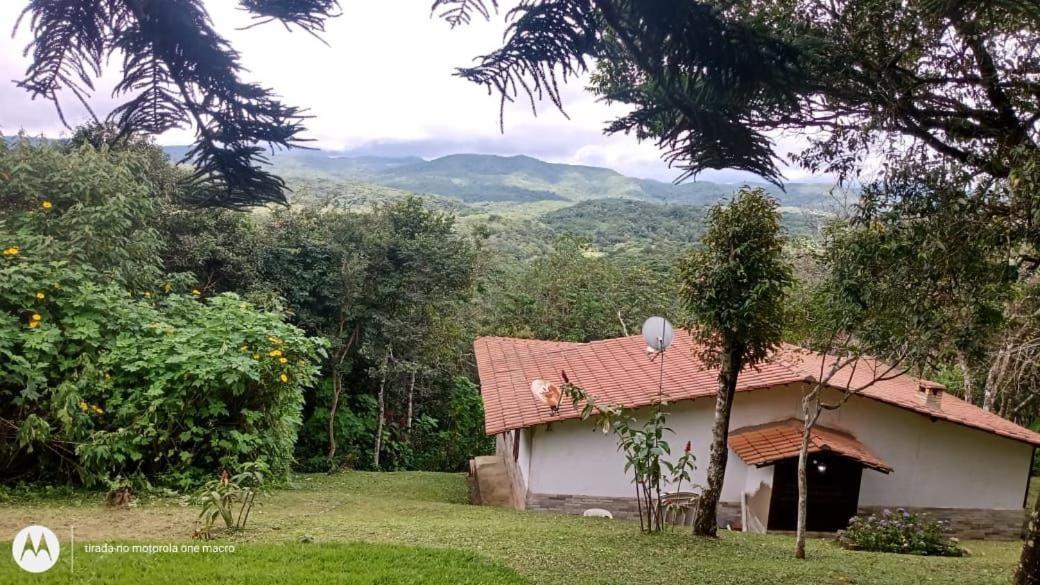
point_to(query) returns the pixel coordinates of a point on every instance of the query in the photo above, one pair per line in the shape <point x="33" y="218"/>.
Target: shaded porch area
<point x="834" y="472"/>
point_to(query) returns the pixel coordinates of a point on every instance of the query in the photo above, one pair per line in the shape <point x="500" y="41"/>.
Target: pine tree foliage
<point x="460" y="12"/>
<point x="710" y="80"/>
<point x="705" y="82"/>
<point x="177" y="72"/>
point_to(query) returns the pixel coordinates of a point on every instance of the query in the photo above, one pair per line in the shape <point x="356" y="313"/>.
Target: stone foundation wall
<point x="621" y="508"/>
<point x="504" y="450"/>
<point x="964" y="523"/>
<point x="971" y="523"/>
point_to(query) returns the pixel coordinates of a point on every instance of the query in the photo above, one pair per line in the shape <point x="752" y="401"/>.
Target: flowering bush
<point x="96" y="382"/>
<point x="899" y="532"/>
<point x="110" y="369"/>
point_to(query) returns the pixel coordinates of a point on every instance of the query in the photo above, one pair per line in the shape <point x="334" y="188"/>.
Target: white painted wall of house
<point x="937" y="464"/>
<point x="523" y="458"/>
<point x="758" y="489"/>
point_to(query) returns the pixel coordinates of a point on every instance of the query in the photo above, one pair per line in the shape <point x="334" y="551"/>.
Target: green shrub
<point x="899" y="532"/>
<point x="97" y="384"/>
<point x="111" y="372"/>
<point x="448" y="445"/>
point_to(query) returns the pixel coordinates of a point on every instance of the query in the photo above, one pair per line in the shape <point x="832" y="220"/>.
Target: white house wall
<point x="937" y="464"/>
<point x="523" y="457"/>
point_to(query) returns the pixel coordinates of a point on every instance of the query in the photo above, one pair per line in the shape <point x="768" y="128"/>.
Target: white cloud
<point x="386" y="79"/>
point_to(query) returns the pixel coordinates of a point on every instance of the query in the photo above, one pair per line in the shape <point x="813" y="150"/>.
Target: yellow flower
<point x="98" y="410"/>
<point x="284" y="377"/>
<point x="147" y="294"/>
<point x="244" y="348"/>
<point x="282" y="360"/>
<point x="256" y="356"/>
<point x="167" y="287"/>
<point x="108" y="376"/>
<point x="275" y="353"/>
<point x="11" y="251"/>
<point x="195" y="292"/>
<point x="46" y="205"/>
<point x="37" y="317"/>
<point x="83" y="405"/>
<point x="275" y="340"/>
<point x="34" y="324"/>
<point x="40" y="295"/>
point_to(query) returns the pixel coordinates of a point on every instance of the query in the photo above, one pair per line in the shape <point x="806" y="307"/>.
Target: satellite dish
<point x="548" y="394"/>
<point x="658" y="333"/>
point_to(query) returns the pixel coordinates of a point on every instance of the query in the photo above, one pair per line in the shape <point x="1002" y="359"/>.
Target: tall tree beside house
<point x="734" y="286"/>
<point x="901" y="283"/>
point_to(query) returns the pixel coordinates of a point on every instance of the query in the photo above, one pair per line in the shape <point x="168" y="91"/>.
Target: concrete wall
<point x="516" y="469"/>
<point x="937" y="464"/>
<point x="758" y="491"/>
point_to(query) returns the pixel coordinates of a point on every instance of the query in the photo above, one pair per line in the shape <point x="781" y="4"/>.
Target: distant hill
<point x="482" y="178"/>
<point x="620" y="226"/>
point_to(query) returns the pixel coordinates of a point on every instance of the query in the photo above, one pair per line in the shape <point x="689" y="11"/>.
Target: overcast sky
<point x="384" y="86"/>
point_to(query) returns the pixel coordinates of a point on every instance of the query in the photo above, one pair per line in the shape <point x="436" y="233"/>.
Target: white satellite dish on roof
<point x="658" y="333"/>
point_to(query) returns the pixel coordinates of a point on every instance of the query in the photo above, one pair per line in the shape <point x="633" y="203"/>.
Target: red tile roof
<point x="618" y="371"/>
<point x="769" y="443"/>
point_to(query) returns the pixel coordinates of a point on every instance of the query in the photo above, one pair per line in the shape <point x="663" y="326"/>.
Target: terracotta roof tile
<point x="769" y="443"/>
<point x="618" y="371"/>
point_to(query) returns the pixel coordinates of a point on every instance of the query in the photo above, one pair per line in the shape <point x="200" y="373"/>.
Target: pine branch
<point x="548" y="42"/>
<point x="67" y="48"/>
<point x="178" y="71"/>
<point x="461" y="12"/>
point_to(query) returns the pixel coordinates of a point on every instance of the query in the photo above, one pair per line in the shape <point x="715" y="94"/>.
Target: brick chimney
<point x="930" y="394"/>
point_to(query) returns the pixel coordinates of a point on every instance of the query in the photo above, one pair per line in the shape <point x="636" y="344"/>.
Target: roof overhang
<point x="766" y="444"/>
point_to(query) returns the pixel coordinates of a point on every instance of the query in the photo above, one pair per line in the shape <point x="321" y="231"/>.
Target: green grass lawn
<point x="417" y="528"/>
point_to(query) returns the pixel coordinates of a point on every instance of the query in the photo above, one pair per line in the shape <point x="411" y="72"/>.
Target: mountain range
<point x="481" y="178"/>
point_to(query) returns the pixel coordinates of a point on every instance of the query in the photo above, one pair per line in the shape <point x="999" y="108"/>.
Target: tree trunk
<point x="382" y="412"/>
<point x="969" y="379"/>
<point x="809" y="416"/>
<point x="706" y="523"/>
<point x="411" y="394"/>
<point x="337" y="385"/>
<point x="1028" y="572"/>
<point x="995" y="377"/>
<point x="337" y="389"/>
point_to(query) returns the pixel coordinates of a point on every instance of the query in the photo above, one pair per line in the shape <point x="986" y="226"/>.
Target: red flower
<point x="689" y="447"/>
<point x="563" y="375"/>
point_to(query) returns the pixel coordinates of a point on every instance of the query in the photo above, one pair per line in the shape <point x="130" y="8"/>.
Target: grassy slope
<point x="429" y="510"/>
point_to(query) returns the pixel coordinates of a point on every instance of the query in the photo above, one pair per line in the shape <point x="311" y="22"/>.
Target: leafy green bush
<point x="110" y="370"/>
<point x="95" y="383"/>
<point x="899" y="532"/>
<point x="448" y="445"/>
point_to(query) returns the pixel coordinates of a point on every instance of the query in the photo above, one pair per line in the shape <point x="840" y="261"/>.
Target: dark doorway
<point x="833" y="493"/>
